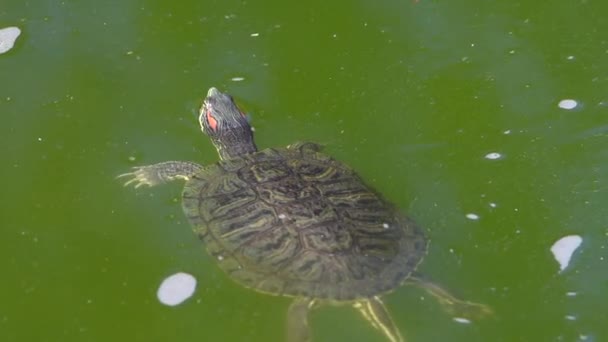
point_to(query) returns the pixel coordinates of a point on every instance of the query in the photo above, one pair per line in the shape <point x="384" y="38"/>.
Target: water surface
<point x="413" y="94"/>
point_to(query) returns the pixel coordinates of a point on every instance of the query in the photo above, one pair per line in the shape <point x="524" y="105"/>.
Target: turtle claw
<point x="160" y="173"/>
<point x="140" y="176"/>
<point x="455" y="307"/>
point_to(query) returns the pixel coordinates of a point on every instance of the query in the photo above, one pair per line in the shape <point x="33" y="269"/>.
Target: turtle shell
<point x="295" y="222"/>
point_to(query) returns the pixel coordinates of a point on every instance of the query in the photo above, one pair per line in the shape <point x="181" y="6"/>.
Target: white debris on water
<point x="493" y="205"/>
<point x="472" y="216"/>
<point x="567" y="104"/>
<point x="493" y="156"/>
<point x="461" y="320"/>
<point x="176" y="288"/>
<point x="237" y="79"/>
<point x="8" y="36"/>
<point x="563" y="249"/>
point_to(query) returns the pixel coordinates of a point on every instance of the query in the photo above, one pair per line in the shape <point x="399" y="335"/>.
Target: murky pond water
<point x="486" y="121"/>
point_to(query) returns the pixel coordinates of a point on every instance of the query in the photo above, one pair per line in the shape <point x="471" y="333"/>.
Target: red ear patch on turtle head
<point x="211" y="120"/>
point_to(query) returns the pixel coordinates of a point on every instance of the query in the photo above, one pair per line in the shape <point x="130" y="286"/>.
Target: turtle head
<point x="226" y="125"/>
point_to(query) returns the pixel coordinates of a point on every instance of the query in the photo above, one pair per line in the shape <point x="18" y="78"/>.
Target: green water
<point x="413" y="94"/>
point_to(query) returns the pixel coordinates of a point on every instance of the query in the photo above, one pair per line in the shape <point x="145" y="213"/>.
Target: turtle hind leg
<point x="297" y="320"/>
<point x="378" y="316"/>
<point x="452" y="305"/>
<point x="155" y="174"/>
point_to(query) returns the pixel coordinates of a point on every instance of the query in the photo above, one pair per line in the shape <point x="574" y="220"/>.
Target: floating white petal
<point x="493" y="155"/>
<point x="563" y="249"/>
<point x="176" y="288"/>
<point x="567" y="104"/>
<point x="8" y="36"/>
<point x="461" y="320"/>
<point x="472" y="216"/>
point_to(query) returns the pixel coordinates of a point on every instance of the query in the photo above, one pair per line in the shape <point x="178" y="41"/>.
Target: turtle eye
<point x="211" y="120"/>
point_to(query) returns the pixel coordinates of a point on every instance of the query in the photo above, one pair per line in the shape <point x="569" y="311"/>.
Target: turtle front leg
<point x="376" y="313"/>
<point x="160" y="173"/>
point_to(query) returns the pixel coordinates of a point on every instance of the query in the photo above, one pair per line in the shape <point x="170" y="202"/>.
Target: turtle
<point x="296" y="222"/>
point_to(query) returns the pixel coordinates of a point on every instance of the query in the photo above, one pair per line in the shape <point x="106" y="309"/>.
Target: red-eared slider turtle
<point x="295" y="222"/>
